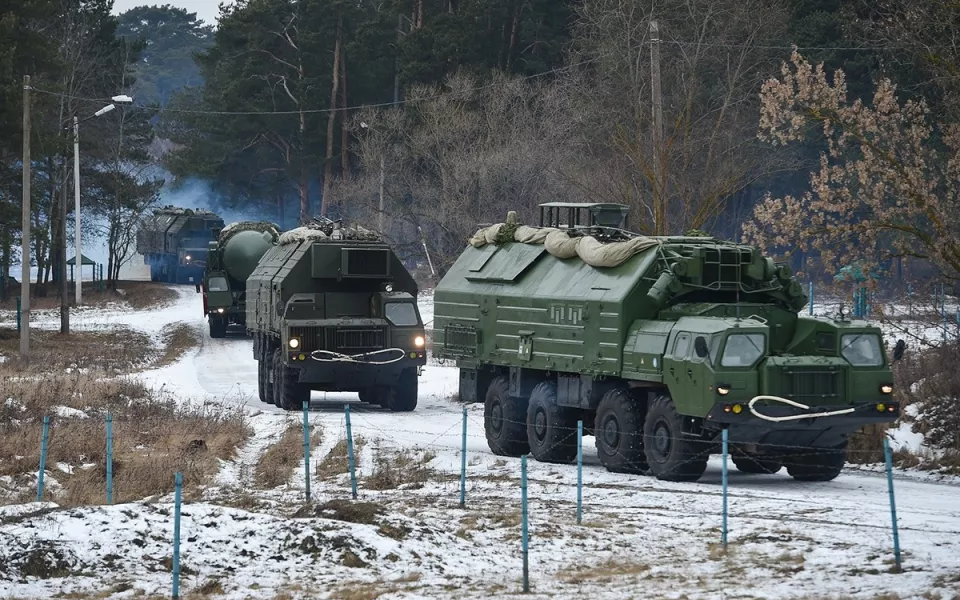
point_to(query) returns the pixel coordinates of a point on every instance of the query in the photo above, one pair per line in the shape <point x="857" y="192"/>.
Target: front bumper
<point x="352" y="376"/>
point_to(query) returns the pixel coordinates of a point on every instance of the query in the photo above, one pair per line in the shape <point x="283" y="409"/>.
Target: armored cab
<point x="173" y="241"/>
<point x="231" y="258"/>
<point x="333" y="309"/>
<point x="657" y="344"/>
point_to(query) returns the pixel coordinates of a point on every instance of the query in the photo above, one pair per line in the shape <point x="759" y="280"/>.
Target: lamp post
<point x="380" y="214"/>
<point x="78" y="260"/>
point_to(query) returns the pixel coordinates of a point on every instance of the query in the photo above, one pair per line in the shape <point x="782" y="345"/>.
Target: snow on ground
<point x="640" y="537"/>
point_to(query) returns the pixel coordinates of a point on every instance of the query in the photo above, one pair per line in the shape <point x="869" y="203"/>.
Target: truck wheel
<point x="505" y="420"/>
<point x="275" y="366"/>
<point x="551" y="430"/>
<point x="268" y="377"/>
<point x="291" y="394"/>
<point x="749" y="463"/>
<point x="619" y="433"/>
<point x="261" y="379"/>
<point x="403" y="396"/>
<point x="818" y="464"/>
<point x="218" y="327"/>
<point x="672" y="457"/>
<point x="367" y="395"/>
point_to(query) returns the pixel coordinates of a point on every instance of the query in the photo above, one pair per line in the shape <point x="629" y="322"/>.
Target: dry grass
<point x="277" y="464"/>
<point x="405" y="468"/>
<point x="337" y="461"/>
<point x="138" y="294"/>
<point x="351" y="511"/>
<point x="112" y="352"/>
<point x="608" y="570"/>
<point x="177" y="342"/>
<point x="371" y="590"/>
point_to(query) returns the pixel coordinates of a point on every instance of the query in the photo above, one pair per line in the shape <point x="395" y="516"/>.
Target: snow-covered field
<point x="639" y="538"/>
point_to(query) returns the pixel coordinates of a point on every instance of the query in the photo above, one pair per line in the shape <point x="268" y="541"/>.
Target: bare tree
<point x="714" y="56"/>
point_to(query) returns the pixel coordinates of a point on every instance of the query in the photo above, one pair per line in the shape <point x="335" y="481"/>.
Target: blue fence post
<point x="463" y="462"/>
<point x="178" y="481"/>
<point x="43" y="457"/>
<point x="109" y="458"/>
<point x="306" y="447"/>
<point x="523" y="519"/>
<point x="579" y="471"/>
<point x="726" y="447"/>
<point x="352" y="462"/>
<point x="811" y="298"/>
<point x="893" y="504"/>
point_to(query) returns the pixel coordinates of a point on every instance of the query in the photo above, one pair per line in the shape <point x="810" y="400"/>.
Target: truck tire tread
<point x="817" y="464"/>
<point x="618" y="428"/>
<point x="505" y="420"/>
<point x="671" y="455"/>
<point x="558" y="441"/>
<point x="402" y="397"/>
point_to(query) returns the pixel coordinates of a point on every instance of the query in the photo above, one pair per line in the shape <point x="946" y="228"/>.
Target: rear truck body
<point x="657" y="344"/>
<point x="333" y="309"/>
<point x="230" y="259"/>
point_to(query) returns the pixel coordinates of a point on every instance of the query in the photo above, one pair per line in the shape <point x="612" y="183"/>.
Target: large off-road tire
<point x="618" y="428"/>
<point x="268" y="375"/>
<point x="817" y="464"/>
<point x="401" y="397"/>
<point x="368" y="395"/>
<point x="262" y="379"/>
<point x="671" y="455"/>
<point x="761" y="465"/>
<point x="505" y="420"/>
<point x="218" y="327"/>
<point x="551" y="429"/>
<point x="291" y="394"/>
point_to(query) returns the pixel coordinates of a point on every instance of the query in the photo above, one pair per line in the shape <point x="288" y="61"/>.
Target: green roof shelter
<point x="84" y="261"/>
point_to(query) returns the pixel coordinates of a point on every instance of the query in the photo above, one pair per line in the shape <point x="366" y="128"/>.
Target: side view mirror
<point x="899" y="349"/>
<point x="198" y="288"/>
<point x="279" y="309"/>
<point x="700" y="347"/>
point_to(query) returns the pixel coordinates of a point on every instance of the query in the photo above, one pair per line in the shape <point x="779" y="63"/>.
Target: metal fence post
<point x="352" y="461"/>
<point x="893" y="505"/>
<point x="523" y="518"/>
<point x="726" y="447"/>
<point x="43" y="457"/>
<point x="811" y="298"/>
<point x="109" y="458"/>
<point x="178" y="481"/>
<point x="579" y="472"/>
<point x="463" y="462"/>
<point x="306" y="447"/>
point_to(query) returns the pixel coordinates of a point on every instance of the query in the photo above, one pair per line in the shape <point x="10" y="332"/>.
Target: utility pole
<point x="25" y="251"/>
<point x="78" y="267"/>
<point x="659" y="180"/>
<point x="64" y="288"/>
<point x="380" y="216"/>
<point x="396" y="63"/>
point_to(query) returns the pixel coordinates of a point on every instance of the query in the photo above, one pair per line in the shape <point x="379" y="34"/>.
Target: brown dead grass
<point x="337" y="461"/>
<point x="275" y="466"/>
<point x="608" y="570"/>
<point x="138" y="294"/>
<point x="177" y="341"/>
<point x="111" y="352"/>
<point x="404" y="468"/>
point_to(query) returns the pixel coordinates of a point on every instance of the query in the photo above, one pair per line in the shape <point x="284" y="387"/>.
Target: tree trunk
<point x="344" y="133"/>
<point x="513" y="36"/>
<point x="418" y="15"/>
<point x="331" y="120"/>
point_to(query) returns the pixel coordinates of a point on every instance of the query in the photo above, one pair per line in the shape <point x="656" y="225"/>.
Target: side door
<point x="698" y="372"/>
<point x="675" y="363"/>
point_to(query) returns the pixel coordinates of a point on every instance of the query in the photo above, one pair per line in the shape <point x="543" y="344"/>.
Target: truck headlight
<point x="187" y="257"/>
<point x="723" y="390"/>
<point x="418" y="341"/>
<point x="886" y="389"/>
<point x="294" y="343"/>
<point x="220" y="310"/>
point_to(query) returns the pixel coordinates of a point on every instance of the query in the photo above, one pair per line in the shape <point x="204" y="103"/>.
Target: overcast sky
<point x="207" y="10"/>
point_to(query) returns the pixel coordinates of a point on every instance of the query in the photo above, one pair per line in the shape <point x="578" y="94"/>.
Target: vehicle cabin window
<point x="693" y="348"/>
<point x="401" y="314"/>
<point x="742" y="349"/>
<point x="218" y="284"/>
<point x="826" y="341"/>
<point x="861" y="349"/>
<point x="681" y="348"/>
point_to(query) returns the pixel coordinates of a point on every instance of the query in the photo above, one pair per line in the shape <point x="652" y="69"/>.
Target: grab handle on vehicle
<point x="832" y="413"/>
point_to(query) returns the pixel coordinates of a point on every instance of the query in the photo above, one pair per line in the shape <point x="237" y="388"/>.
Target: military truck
<point x="173" y="241"/>
<point x="231" y="258"/>
<point x="332" y="308"/>
<point x="657" y="344"/>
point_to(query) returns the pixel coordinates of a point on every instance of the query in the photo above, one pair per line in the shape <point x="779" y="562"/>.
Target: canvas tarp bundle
<point x="559" y="244"/>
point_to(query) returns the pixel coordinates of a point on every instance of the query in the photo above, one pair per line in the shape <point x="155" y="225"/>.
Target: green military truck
<point x="231" y="258"/>
<point x="332" y="308"/>
<point x="657" y="344"/>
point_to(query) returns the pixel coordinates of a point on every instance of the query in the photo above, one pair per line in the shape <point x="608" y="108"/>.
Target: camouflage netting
<point x="177" y="210"/>
<point x="234" y="228"/>
<point x="561" y="245"/>
<point x="302" y="234"/>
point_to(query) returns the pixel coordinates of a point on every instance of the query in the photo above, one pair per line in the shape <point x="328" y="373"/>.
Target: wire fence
<point x="592" y="495"/>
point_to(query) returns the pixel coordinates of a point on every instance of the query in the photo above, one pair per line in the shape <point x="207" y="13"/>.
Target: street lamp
<point x="121" y="99"/>
<point x="380" y="215"/>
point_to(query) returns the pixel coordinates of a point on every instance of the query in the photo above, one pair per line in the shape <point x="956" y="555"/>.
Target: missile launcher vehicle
<point x="657" y="344"/>
<point x="231" y="258"/>
<point x="173" y="241"/>
<point x="332" y="308"/>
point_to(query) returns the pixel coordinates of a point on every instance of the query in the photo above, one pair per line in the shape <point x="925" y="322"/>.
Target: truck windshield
<point x="401" y="314"/>
<point x="742" y="349"/>
<point x="861" y="349"/>
<point x="218" y="284"/>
